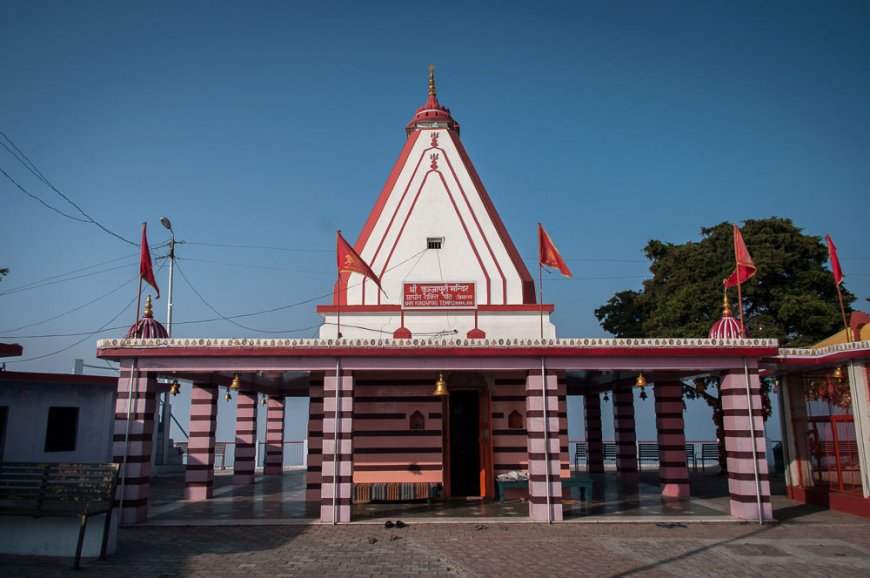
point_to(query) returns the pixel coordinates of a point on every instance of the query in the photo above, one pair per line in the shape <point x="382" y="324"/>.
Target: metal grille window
<point x="434" y="242"/>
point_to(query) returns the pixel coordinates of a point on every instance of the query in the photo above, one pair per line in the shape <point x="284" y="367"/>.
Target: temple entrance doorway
<point x="465" y="463"/>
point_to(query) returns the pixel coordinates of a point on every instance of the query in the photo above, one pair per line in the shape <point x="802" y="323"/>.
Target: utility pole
<point x="166" y="414"/>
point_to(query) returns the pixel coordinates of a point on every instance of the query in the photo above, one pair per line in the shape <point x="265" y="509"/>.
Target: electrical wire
<point x="271" y="248"/>
<point x="32" y="196"/>
<point x="85" y="338"/>
<point x="91" y="302"/>
<point x="55" y="282"/>
<point x="266" y="267"/>
<point x="30" y="166"/>
<point x="79" y="270"/>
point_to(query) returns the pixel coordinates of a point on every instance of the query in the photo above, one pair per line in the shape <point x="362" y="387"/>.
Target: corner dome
<point x="727" y="327"/>
<point x="147" y="327"/>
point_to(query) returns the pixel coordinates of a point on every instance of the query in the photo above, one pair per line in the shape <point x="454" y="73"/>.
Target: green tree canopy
<point x="792" y="297"/>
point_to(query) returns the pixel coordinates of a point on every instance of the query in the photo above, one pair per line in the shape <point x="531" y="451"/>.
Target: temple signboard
<point x="438" y="295"/>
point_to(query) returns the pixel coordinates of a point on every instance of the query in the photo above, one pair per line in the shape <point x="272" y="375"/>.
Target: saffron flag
<point x="745" y="267"/>
<point x="548" y="255"/>
<point x="146" y="272"/>
<point x="835" y="261"/>
<point x="350" y="262"/>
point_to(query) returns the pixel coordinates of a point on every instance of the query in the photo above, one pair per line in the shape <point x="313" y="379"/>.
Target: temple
<point x="453" y="374"/>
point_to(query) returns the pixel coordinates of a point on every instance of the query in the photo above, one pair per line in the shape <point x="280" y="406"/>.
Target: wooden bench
<point x="396" y="491"/>
<point x="65" y="490"/>
<point x="584" y="484"/>
<point x="647" y="452"/>
<point x="709" y="452"/>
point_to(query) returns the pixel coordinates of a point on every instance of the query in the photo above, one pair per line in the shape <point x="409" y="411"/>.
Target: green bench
<point x="584" y="484"/>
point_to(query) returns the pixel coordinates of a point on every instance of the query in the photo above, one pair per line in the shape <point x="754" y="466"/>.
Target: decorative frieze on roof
<point x="578" y="343"/>
<point x="811" y="353"/>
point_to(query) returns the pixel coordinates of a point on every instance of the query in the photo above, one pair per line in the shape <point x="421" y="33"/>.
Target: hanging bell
<point x="838" y="373"/>
<point x="228" y="396"/>
<point x="263" y="400"/>
<point x="606" y="397"/>
<point x="440" y="386"/>
<point x="175" y="388"/>
<point x="643" y="394"/>
<point x="640" y="381"/>
<point x="236" y="383"/>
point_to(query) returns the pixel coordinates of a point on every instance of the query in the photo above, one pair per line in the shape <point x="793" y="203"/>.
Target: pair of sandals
<point x="670" y="525"/>
<point x="399" y="524"/>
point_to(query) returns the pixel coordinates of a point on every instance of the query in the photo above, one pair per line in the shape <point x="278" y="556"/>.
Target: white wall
<point x="28" y="404"/>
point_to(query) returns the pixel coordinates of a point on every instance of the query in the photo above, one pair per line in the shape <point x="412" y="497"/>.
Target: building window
<point x="63" y="425"/>
<point x="515" y="420"/>
<point x="434" y="242"/>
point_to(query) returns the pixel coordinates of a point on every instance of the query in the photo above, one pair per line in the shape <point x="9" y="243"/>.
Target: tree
<point x="792" y="297"/>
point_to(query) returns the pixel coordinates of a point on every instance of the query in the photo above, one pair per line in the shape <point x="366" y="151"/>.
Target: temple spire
<point x="431" y="80"/>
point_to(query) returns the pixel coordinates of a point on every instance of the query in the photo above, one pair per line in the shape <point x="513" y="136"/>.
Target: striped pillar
<point x="673" y="464"/>
<point x="564" y="451"/>
<point x="244" y="460"/>
<point x="626" y="436"/>
<point x="594" y="447"/>
<point x="543" y="447"/>
<point x="199" y="477"/>
<point x="137" y="398"/>
<point x="336" y="483"/>
<point x="314" y="459"/>
<point x="274" y="463"/>
<point x="739" y="442"/>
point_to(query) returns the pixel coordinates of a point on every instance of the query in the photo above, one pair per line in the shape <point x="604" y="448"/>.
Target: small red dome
<point x="727" y="327"/>
<point x="147" y="327"/>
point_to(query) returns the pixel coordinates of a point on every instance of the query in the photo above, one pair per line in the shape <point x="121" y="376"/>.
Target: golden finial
<point x="148" y="314"/>
<point x="431" y="80"/>
<point x="726" y="307"/>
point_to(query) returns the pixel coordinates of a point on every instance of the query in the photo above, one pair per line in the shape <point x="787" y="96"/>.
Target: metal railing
<point x="295" y="452"/>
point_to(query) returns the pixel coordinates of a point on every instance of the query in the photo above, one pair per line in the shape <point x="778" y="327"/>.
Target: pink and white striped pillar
<point x="738" y="446"/>
<point x="673" y="464"/>
<point x="314" y="459"/>
<point x="626" y="436"/>
<point x="135" y="409"/>
<point x="336" y="485"/>
<point x="594" y="447"/>
<point x="274" y="463"/>
<point x="543" y="447"/>
<point x="245" y="457"/>
<point x="199" y="477"/>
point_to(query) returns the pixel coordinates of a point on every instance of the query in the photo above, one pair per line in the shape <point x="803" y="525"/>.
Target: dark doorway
<point x="464" y="443"/>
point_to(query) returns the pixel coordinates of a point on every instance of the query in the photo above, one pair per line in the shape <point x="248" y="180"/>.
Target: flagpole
<point x="541" y="293"/>
<point x="739" y="286"/>
<point x="138" y="299"/>
<point x="338" y="296"/>
<point x="843" y="311"/>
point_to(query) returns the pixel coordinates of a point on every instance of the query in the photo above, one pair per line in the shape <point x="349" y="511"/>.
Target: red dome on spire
<point x="727" y="327"/>
<point x="432" y="114"/>
<point x="147" y="327"/>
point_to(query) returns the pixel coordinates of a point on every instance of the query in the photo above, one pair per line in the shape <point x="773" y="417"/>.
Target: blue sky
<point x="272" y="124"/>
